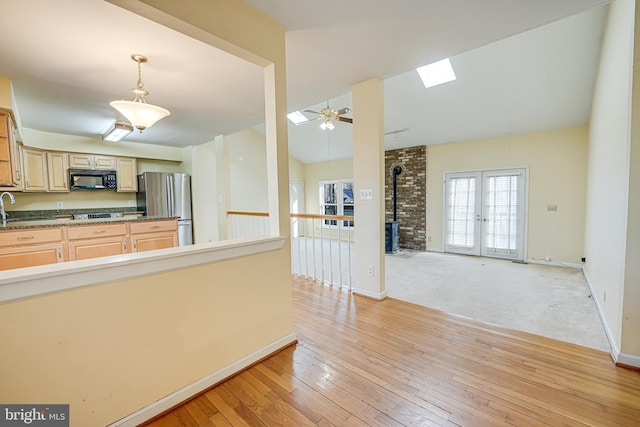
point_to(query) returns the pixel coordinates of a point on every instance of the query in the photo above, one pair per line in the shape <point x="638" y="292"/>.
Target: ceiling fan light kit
<point x="327" y="115"/>
<point x="141" y="114"/>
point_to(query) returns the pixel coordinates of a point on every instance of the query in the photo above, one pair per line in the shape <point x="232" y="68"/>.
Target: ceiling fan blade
<point x="342" y="111"/>
<point x="310" y="111"/>
<point x="397" y="131"/>
<point x="344" y="119"/>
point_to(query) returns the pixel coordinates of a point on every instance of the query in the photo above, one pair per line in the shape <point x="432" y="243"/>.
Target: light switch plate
<point x="366" y="194"/>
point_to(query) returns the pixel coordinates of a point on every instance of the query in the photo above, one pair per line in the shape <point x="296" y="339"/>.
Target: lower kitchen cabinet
<point x="93" y="241"/>
<point x="148" y="236"/>
<point x="28" y="248"/>
<point x="48" y="245"/>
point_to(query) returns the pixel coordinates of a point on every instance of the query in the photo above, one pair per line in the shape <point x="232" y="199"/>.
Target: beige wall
<point x="247" y="180"/>
<point x="323" y="171"/>
<point x="608" y="186"/>
<point x="111" y="349"/>
<point x="296" y="170"/>
<point x="631" y="314"/>
<point x="557" y="174"/>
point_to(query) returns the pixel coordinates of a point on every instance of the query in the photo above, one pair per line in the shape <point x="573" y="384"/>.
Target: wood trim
<point x="247" y="213"/>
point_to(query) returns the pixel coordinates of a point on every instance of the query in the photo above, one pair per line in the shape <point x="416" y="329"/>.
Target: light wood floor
<point x="359" y="362"/>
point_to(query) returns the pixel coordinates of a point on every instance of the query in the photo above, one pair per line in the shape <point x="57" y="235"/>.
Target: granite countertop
<point x="21" y="224"/>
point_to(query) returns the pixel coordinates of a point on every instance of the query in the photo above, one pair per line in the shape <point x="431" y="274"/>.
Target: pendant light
<point x="138" y="112"/>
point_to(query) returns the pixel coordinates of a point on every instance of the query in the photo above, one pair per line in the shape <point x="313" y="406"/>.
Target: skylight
<point x="297" y="117"/>
<point x="436" y="73"/>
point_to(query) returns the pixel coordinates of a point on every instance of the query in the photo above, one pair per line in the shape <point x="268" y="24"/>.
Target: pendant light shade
<point x="138" y="112"/>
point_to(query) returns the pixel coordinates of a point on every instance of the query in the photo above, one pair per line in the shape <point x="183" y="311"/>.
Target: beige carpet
<point x="545" y="300"/>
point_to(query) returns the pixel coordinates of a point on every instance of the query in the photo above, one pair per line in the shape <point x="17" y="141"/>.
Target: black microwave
<point x="92" y="179"/>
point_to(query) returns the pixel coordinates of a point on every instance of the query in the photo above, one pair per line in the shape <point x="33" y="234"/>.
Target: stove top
<point x="97" y="215"/>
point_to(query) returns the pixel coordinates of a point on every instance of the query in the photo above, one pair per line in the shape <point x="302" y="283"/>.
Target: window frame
<point x="339" y="203"/>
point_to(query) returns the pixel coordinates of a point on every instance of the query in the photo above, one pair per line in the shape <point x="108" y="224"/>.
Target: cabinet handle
<point x="156" y="226"/>
<point x="25" y="238"/>
<point x="124" y="246"/>
<point x="135" y="246"/>
<point x="99" y="231"/>
<point x="59" y="253"/>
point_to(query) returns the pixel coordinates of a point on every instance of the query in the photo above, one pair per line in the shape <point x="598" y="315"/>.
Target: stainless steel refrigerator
<point x="165" y="194"/>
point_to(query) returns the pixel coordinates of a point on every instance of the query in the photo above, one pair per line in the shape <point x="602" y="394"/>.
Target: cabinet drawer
<point x="153" y="226"/>
<point x="92" y="231"/>
<point x="28" y="237"/>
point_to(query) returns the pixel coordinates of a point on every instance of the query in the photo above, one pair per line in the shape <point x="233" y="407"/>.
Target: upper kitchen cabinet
<point x="127" y="174"/>
<point x="10" y="174"/>
<point x="57" y="166"/>
<point x="91" y="161"/>
<point x="34" y="163"/>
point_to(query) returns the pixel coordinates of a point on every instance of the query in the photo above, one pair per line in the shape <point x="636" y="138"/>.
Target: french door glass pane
<point x="501" y="214"/>
<point x="461" y="211"/>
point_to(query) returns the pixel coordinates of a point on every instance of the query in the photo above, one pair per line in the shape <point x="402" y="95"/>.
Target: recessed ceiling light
<point x="436" y="73"/>
<point x="297" y="117"/>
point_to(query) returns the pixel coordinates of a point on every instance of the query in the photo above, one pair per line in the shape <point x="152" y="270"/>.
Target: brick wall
<point x="412" y="195"/>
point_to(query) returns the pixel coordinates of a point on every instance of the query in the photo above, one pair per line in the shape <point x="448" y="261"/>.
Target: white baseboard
<point x="628" y="360"/>
<point x="614" y="347"/>
<point x="554" y="263"/>
<point x="168" y="402"/>
<point x="366" y="293"/>
<point x="431" y="249"/>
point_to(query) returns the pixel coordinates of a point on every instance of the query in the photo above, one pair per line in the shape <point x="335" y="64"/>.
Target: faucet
<point x="3" y="214"/>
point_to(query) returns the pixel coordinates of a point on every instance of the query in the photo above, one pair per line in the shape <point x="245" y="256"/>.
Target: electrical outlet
<point x="132" y="203"/>
<point x="59" y="205"/>
<point x="370" y="271"/>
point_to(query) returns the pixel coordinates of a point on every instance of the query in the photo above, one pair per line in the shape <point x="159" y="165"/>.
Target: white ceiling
<point x="69" y="58"/>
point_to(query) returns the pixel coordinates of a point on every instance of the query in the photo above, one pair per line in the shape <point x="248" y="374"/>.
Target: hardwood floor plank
<point x="360" y="362"/>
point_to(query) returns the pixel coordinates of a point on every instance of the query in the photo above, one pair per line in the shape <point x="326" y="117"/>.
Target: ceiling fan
<point x="329" y="115"/>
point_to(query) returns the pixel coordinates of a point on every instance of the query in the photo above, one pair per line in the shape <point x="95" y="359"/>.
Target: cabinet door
<point x="127" y="173"/>
<point x="35" y="169"/>
<point x="30" y="255"/>
<point x="57" y="166"/>
<point x="80" y="161"/>
<point x="10" y="176"/>
<point x="95" y="248"/>
<point x="104" y="162"/>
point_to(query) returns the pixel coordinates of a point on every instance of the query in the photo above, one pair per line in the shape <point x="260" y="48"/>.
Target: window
<point x="336" y="198"/>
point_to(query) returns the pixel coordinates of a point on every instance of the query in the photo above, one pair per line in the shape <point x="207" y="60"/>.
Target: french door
<point x="485" y="213"/>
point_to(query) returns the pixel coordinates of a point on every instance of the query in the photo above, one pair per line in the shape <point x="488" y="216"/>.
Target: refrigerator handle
<point x="170" y="194"/>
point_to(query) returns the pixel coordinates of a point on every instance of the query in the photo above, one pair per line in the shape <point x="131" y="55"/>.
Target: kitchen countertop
<point x="20" y="224"/>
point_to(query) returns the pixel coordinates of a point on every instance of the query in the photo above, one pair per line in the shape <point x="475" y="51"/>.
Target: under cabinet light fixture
<point x="436" y="73"/>
<point x="117" y="131"/>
